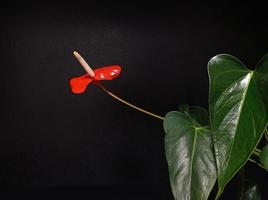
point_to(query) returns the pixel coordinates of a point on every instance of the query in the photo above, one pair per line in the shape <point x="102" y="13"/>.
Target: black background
<point x="56" y="143"/>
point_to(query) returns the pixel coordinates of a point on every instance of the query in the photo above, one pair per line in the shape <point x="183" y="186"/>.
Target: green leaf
<point x="264" y="157"/>
<point x="189" y="153"/>
<point x="198" y="113"/>
<point x="238" y="112"/>
<point x="252" y="193"/>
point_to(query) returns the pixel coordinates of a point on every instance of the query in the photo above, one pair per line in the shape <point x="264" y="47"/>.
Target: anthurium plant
<point x="206" y="149"/>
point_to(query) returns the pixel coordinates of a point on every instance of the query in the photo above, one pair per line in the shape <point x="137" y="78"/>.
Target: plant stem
<point x="251" y="160"/>
<point x="129" y="104"/>
<point x="266" y="135"/>
<point x="257" y="150"/>
<point x="256" y="153"/>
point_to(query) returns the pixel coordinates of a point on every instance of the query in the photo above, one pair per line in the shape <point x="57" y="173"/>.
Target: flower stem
<point x="129" y="104"/>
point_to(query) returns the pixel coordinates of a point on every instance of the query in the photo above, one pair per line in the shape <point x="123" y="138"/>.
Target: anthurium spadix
<point x="238" y="101"/>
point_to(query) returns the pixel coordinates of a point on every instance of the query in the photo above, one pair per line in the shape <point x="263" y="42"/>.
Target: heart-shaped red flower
<point x="79" y="84"/>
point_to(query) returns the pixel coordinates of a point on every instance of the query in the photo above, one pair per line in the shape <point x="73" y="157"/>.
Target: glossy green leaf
<point x="189" y="153"/>
<point x="238" y="112"/>
<point x="198" y="113"/>
<point x="252" y="193"/>
<point x="264" y="157"/>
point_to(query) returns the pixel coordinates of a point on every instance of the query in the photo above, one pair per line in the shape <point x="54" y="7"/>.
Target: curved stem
<point x="129" y="104"/>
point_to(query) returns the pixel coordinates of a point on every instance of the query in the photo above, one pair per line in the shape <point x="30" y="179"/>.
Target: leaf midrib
<point x="192" y="156"/>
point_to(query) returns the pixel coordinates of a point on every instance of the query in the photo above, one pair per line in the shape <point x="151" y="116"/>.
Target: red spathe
<point x="79" y="84"/>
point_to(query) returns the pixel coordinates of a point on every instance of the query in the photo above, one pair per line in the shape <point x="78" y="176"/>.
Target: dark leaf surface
<point x="238" y="112"/>
<point x="198" y="113"/>
<point x="252" y="193"/>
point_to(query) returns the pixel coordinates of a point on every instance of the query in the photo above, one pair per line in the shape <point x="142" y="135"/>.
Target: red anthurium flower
<point x="79" y="84"/>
